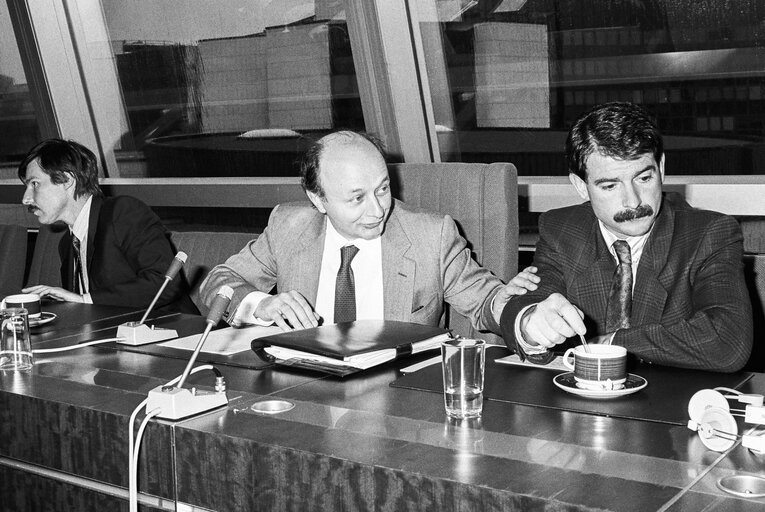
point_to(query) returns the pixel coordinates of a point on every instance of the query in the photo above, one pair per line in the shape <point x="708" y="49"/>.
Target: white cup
<point x="598" y="366"/>
<point x="28" y="301"/>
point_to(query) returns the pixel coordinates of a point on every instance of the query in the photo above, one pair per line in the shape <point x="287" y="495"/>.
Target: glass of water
<point x="15" y="345"/>
<point x="463" y="361"/>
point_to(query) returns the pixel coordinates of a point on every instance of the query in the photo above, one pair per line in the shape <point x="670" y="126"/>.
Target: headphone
<point x="711" y="416"/>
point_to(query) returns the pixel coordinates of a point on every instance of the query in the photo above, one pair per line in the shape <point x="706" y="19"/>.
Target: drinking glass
<point x="15" y="345"/>
<point x="463" y="361"/>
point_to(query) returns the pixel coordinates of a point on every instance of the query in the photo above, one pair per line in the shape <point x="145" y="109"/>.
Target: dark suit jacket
<point x="690" y="304"/>
<point x="127" y="256"/>
<point x="425" y="263"/>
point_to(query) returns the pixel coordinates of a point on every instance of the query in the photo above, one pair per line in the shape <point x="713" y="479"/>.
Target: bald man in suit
<point x="408" y="264"/>
<point x="689" y="304"/>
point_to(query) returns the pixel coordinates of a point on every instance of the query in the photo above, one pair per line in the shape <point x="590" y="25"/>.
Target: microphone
<point x="136" y="333"/>
<point x="174" y="401"/>
<point x="172" y="271"/>
<point x="219" y="306"/>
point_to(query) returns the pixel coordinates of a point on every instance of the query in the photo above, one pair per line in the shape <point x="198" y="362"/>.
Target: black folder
<point x="349" y="347"/>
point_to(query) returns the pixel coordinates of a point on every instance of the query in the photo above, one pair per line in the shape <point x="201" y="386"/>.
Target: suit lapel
<point x="66" y="251"/>
<point x="593" y="272"/>
<point x="310" y="251"/>
<point x="398" y="270"/>
<point x="653" y="276"/>
<point x="95" y="211"/>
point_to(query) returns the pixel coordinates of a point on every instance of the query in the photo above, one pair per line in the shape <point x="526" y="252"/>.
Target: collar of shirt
<point x="80" y="226"/>
<point x="636" y="243"/>
<point x="367" y="271"/>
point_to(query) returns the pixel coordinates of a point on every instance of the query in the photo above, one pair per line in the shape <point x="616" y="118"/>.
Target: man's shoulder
<point x="125" y="215"/>
<point x="568" y="220"/>
<point x="121" y="204"/>
<point x="688" y="218"/>
<point x="293" y="215"/>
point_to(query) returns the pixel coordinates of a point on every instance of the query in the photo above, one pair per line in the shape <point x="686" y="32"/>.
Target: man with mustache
<point x="682" y="303"/>
<point x="403" y="264"/>
<point x="115" y="251"/>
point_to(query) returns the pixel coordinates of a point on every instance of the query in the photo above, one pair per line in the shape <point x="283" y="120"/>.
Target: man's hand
<point x="551" y="321"/>
<point x="524" y="281"/>
<point x="288" y="310"/>
<point x="55" y="293"/>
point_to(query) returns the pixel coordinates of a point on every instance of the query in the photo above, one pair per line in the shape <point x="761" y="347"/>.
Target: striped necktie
<point x="619" y="306"/>
<point x="78" y="283"/>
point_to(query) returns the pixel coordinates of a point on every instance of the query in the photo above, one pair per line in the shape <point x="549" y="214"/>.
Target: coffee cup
<point x="28" y="301"/>
<point x="597" y="367"/>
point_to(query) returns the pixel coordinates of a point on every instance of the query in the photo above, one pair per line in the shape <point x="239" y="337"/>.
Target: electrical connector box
<point x="755" y="414"/>
<point x="177" y="403"/>
<point x="750" y="398"/>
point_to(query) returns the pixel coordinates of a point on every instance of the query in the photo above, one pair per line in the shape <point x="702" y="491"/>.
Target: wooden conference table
<point x="353" y="444"/>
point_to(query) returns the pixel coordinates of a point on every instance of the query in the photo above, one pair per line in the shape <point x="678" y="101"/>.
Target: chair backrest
<point x="205" y="250"/>
<point x="13" y="255"/>
<point x="754" y="275"/>
<point x="46" y="263"/>
<point x="483" y="201"/>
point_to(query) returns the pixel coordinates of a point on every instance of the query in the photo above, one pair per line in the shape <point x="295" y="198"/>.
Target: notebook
<point x="346" y="348"/>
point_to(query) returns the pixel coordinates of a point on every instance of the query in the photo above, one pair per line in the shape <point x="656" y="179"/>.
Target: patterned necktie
<point x="78" y="284"/>
<point x="619" y="306"/>
<point x="345" y="293"/>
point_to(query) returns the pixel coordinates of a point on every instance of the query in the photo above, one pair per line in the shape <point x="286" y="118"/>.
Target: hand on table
<point x="288" y="310"/>
<point x="551" y="321"/>
<point x="524" y="281"/>
<point x="54" y="292"/>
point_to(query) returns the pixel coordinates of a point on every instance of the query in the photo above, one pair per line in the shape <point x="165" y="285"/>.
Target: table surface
<point x="348" y="444"/>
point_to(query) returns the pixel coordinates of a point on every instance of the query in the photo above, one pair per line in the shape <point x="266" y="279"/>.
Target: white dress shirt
<point x="368" y="281"/>
<point x="80" y="230"/>
<point x="636" y="243"/>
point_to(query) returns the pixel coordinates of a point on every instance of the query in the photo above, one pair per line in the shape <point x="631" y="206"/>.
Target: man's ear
<point x="317" y="201"/>
<point x="661" y="168"/>
<point x="579" y="185"/>
<point x="70" y="183"/>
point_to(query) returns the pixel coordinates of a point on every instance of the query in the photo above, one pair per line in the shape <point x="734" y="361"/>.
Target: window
<point x="18" y="118"/>
<point x="507" y="78"/>
<point x="211" y="88"/>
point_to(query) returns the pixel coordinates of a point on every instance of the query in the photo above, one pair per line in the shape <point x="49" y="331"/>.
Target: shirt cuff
<point x="87" y="299"/>
<point x="526" y="346"/>
<point x="245" y="313"/>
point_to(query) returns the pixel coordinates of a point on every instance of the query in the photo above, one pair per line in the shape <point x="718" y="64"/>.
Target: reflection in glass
<point x="18" y="120"/>
<point x="213" y="88"/>
<point x="508" y="77"/>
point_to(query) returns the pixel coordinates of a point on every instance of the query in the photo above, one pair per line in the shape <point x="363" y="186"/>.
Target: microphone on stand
<point x="137" y="333"/>
<point x="219" y="305"/>
<point x="175" y="266"/>
<point x="175" y="401"/>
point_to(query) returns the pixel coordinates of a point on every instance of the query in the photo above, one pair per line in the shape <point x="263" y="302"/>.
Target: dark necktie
<point x="78" y="284"/>
<point x="345" y="293"/>
<point x="619" y="306"/>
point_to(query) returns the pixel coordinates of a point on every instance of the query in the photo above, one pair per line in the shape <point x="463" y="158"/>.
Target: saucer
<point x="567" y="383"/>
<point x="43" y="319"/>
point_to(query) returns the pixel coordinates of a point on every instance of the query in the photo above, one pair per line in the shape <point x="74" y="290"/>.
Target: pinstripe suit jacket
<point x="425" y="263"/>
<point x="690" y="304"/>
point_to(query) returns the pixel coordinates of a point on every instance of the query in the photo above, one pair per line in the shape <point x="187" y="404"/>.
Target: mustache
<point x="644" y="210"/>
<point x="31" y="208"/>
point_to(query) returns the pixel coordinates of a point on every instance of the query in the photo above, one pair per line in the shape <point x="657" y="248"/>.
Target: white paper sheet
<point x="225" y="341"/>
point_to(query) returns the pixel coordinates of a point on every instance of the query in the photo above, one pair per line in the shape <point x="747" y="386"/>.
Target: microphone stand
<point x="176" y="402"/>
<point x="138" y="333"/>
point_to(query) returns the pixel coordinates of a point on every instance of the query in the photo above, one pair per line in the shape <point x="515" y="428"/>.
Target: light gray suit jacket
<point x="425" y="264"/>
